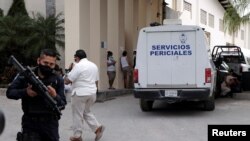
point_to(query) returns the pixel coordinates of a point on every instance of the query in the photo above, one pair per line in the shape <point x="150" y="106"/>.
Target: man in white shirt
<point x="84" y="78"/>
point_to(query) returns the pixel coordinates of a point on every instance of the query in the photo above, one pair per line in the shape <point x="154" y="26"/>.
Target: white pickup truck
<point x="174" y="64"/>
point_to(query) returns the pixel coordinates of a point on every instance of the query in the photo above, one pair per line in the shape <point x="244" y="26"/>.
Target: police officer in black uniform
<point x="39" y="122"/>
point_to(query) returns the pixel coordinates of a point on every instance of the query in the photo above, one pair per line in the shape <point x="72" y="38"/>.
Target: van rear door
<point x="159" y="66"/>
<point x="171" y="59"/>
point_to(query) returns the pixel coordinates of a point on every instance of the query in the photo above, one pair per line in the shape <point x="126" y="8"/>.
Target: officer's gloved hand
<point x="52" y="91"/>
<point x="30" y="92"/>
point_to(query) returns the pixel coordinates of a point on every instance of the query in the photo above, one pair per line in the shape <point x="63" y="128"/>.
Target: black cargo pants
<point x="40" y="129"/>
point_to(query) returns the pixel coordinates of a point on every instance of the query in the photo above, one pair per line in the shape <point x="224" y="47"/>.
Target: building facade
<point x="209" y="15"/>
<point x="98" y="26"/>
<point x="101" y="25"/>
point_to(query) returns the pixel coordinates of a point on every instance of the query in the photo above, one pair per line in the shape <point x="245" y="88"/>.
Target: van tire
<point x="209" y="105"/>
<point x="146" y="105"/>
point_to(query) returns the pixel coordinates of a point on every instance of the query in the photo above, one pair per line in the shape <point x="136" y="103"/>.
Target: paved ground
<point x="124" y="120"/>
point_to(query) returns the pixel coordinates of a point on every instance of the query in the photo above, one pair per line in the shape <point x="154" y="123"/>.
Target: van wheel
<point x="146" y="105"/>
<point x="209" y="105"/>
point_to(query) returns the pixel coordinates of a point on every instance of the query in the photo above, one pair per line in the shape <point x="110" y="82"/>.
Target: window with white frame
<point x="203" y="17"/>
<point x="221" y="25"/>
<point x="188" y="8"/>
<point x="242" y="35"/>
<point x="236" y="34"/>
<point x="211" y="20"/>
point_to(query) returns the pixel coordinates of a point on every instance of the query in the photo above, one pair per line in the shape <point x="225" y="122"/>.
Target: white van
<point x="174" y="64"/>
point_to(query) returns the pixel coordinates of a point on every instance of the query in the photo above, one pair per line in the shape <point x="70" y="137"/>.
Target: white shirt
<point x="83" y="77"/>
<point x="111" y="67"/>
<point x="124" y="61"/>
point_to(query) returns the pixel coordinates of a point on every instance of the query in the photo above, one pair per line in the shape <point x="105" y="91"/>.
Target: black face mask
<point x="45" y="70"/>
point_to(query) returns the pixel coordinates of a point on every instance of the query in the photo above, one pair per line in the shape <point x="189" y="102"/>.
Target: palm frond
<point x="236" y="15"/>
<point x="241" y="6"/>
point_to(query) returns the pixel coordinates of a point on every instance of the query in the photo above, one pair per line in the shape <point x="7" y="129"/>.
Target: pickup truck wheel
<point x="146" y="105"/>
<point x="209" y="105"/>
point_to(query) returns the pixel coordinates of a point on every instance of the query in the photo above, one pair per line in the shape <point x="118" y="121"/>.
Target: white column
<point x="98" y="34"/>
<point x="116" y="35"/>
<point x="85" y="25"/>
<point x="131" y="20"/>
<point x="86" y="28"/>
<point x="142" y="6"/>
<point x="136" y="23"/>
<point x="77" y="30"/>
<point x="103" y="41"/>
<point x="72" y="29"/>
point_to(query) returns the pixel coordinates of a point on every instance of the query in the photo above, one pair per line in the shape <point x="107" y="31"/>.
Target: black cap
<point x="80" y="54"/>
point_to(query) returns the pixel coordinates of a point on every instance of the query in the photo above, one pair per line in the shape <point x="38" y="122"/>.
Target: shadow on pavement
<point x="187" y="109"/>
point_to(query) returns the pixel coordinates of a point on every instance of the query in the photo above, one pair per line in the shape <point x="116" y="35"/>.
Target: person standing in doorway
<point x="125" y="68"/>
<point x="84" y="77"/>
<point x="111" y="69"/>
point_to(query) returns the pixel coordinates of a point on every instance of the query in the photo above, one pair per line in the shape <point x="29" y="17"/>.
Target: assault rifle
<point x="37" y="84"/>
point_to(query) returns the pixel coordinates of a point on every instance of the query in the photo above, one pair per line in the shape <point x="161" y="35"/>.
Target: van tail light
<point x="208" y="75"/>
<point x="136" y="75"/>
